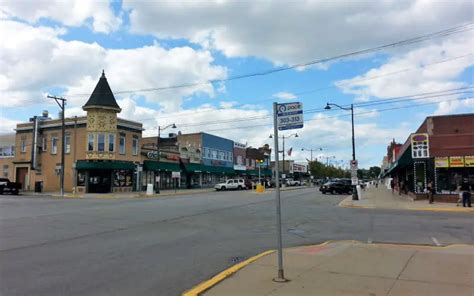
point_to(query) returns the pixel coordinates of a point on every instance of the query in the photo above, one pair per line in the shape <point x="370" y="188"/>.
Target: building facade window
<point x="135" y="146"/>
<point x="54" y="145"/>
<point x="90" y="142"/>
<point x="111" y="142"/>
<point x="67" y="140"/>
<point x="5" y="170"/>
<point x="100" y="142"/>
<point x="44" y="143"/>
<point x="122" y="144"/>
<point x="23" y="145"/>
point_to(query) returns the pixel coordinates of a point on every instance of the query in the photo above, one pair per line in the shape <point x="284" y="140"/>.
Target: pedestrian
<point x="430" y="191"/>
<point x="392" y="185"/>
<point x="401" y="186"/>
<point x="466" y="197"/>
<point x="459" y="193"/>
<point x="377" y="184"/>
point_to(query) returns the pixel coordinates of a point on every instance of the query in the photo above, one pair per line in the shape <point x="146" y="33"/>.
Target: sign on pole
<point x="354" y="167"/>
<point x="289" y="116"/>
<point x="175" y="175"/>
<point x="285" y="117"/>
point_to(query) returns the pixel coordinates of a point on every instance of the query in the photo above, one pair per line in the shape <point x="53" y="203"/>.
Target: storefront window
<point x="448" y="179"/>
<point x="420" y="177"/>
<point x="81" y="178"/>
<point x="123" y="178"/>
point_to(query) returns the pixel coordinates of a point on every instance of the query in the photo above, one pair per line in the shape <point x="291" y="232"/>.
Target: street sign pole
<point x="285" y="117"/>
<point x="281" y="276"/>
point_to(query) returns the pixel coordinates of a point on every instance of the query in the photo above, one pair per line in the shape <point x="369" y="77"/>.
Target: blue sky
<point x="62" y="47"/>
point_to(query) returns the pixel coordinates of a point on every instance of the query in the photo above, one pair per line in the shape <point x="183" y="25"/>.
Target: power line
<point x="344" y="115"/>
<point x="363" y="104"/>
<point x="442" y="33"/>
<point x="318" y="89"/>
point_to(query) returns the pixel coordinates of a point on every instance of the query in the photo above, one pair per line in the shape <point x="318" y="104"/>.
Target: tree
<point x="374" y="171"/>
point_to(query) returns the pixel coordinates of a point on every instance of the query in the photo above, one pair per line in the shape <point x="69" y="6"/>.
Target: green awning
<point x="149" y="165"/>
<point x="194" y="167"/>
<point x="104" y="165"/>
<point x="402" y="162"/>
<point x="200" y="168"/>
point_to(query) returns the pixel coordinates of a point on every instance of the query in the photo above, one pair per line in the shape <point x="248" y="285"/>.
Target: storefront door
<point x="99" y="181"/>
<point x="21" y="177"/>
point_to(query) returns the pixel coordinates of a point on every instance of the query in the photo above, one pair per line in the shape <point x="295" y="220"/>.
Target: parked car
<point x="12" y="187"/>
<point x="272" y="183"/>
<point x="291" y="182"/>
<point x="338" y="187"/>
<point x="230" y="184"/>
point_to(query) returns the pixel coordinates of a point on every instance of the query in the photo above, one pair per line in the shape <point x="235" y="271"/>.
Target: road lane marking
<point x="435" y="241"/>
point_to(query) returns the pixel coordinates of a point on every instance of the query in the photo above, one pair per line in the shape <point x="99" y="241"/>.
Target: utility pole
<point x="61" y="103"/>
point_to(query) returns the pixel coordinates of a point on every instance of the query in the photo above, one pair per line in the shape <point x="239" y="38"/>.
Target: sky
<point x="147" y="48"/>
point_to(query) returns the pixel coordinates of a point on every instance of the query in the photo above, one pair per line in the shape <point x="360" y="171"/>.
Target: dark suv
<point x="337" y="187"/>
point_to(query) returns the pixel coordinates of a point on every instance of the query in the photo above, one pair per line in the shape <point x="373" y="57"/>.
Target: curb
<point x="410" y="209"/>
<point x="223" y="275"/>
<point x="452" y="210"/>
<point x="170" y="194"/>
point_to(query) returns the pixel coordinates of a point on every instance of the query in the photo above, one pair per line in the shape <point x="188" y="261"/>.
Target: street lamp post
<point x="158" y="150"/>
<point x="283" y="151"/>
<point x="328" y="158"/>
<point x="328" y="107"/>
<point x="311" y="150"/>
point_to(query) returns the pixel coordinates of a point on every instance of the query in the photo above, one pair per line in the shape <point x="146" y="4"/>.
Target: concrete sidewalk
<point x="125" y="195"/>
<point x="353" y="268"/>
<point x="163" y="193"/>
<point x="383" y="198"/>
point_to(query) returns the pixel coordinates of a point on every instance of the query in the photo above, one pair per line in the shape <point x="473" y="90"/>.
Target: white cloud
<point x="7" y="125"/>
<point x="284" y="95"/>
<point x="425" y="74"/>
<point x="70" y="13"/>
<point x="36" y="60"/>
<point x="288" y="33"/>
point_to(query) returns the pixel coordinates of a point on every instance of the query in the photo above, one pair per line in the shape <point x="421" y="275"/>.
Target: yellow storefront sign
<point x="469" y="161"/>
<point x="442" y="162"/>
<point x="456" y="161"/>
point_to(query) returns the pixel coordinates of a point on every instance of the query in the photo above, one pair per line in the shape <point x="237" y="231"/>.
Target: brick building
<point x="440" y="150"/>
<point x="101" y="150"/>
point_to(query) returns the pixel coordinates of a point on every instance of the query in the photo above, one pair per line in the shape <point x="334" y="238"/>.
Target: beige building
<point x="102" y="151"/>
<point x="7" y="155"/>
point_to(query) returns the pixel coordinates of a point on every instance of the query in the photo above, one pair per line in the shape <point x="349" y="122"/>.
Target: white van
<point x="230" y="184"/>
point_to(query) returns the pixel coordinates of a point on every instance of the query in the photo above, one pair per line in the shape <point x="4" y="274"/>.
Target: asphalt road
<point x="166" y="246"/>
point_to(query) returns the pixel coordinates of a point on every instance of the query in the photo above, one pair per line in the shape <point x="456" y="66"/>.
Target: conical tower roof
<point x="102" y="97"/>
